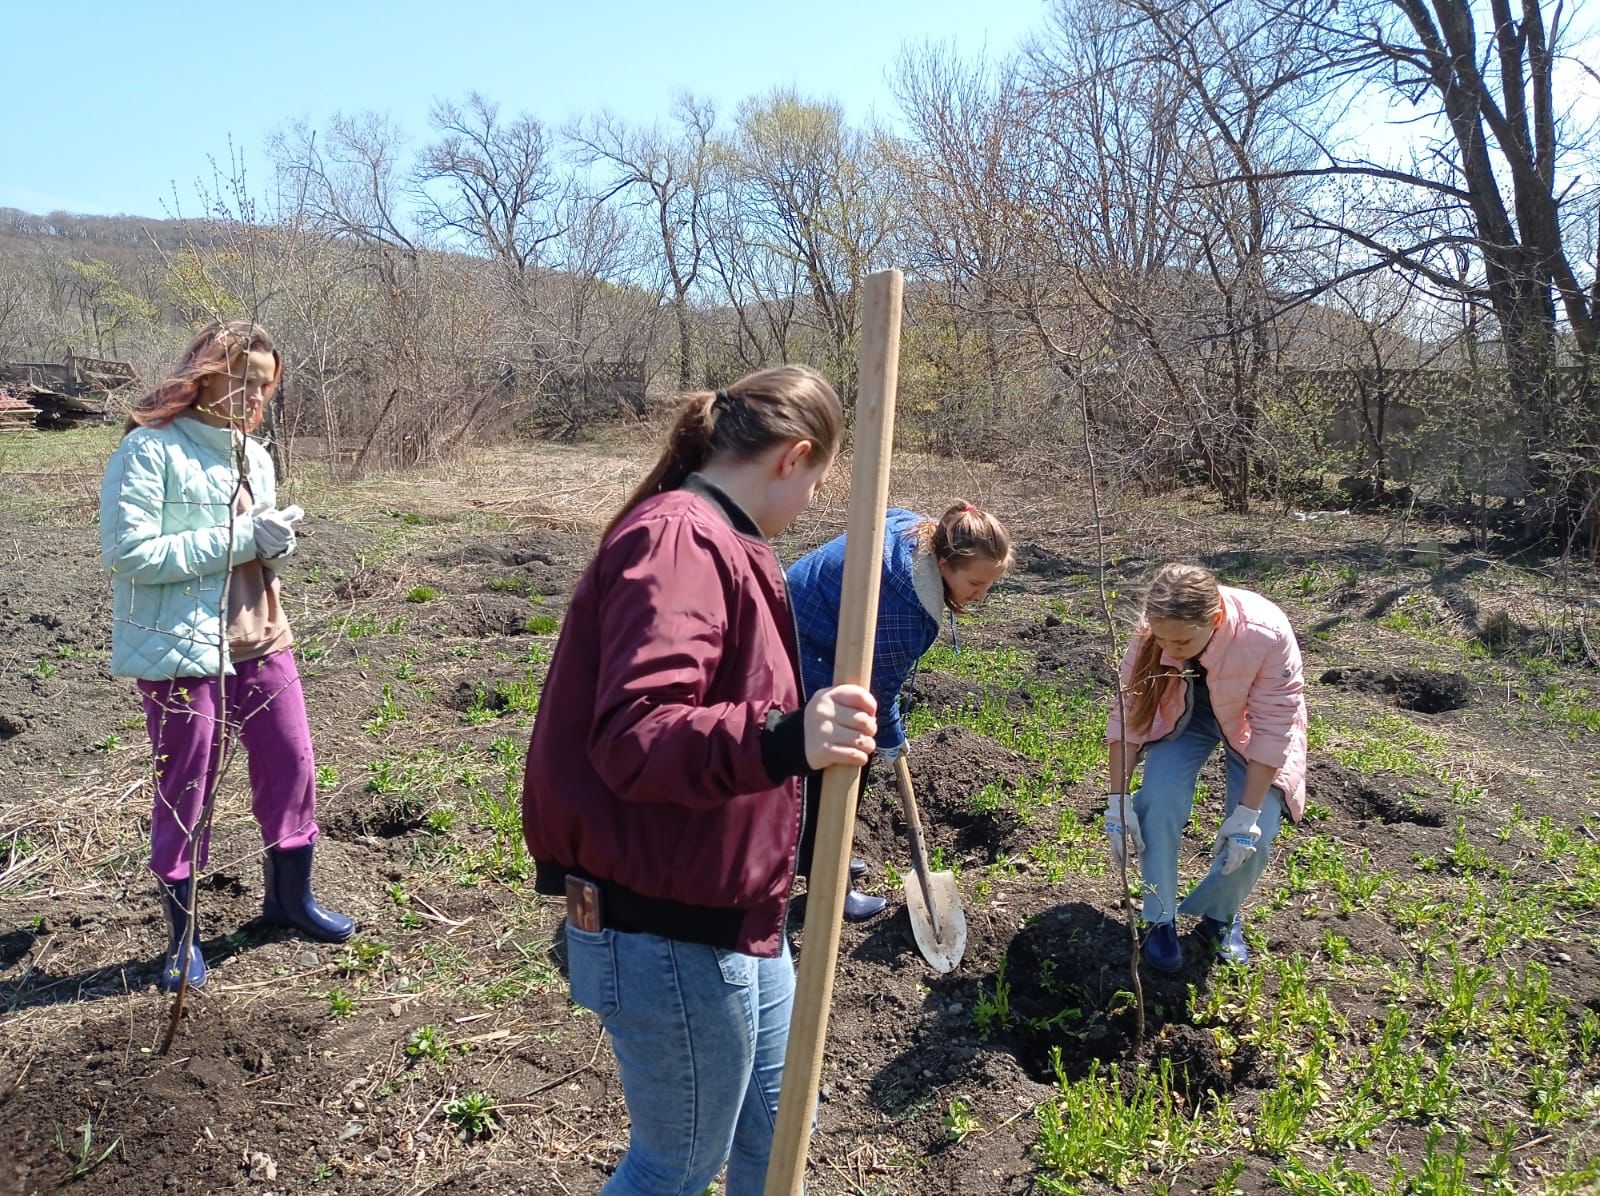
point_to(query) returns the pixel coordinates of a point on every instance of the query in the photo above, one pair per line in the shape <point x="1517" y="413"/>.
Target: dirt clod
<point x="1426" y="691"/>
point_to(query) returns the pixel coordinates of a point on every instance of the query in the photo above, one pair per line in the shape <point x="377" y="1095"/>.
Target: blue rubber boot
<point x="1162" y="951"/>
<point x="861" y="907"/>
<point x="289" y="901"/>
<point x="175" y="901"/>
<point x="1225" y="941"/>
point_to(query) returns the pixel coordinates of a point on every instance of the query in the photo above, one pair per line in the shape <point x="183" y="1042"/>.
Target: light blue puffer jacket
<point x="164" y="508"/>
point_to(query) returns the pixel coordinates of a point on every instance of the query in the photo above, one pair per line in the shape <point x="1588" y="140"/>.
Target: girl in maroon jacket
<point x="662" y="794"/>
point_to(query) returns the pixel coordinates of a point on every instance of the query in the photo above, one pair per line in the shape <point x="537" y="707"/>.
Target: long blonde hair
<point x="215" y="349"/>
<point x="1183" y="594"/>
<point x="786" y="402"/>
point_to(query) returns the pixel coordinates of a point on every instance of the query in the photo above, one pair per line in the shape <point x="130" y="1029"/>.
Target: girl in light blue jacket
<point x="190" y="529"/>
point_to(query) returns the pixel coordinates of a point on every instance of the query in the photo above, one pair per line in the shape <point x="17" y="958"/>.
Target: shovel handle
<point x="919" y="845"/>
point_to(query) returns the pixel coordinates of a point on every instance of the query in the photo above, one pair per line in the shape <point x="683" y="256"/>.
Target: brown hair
<point x="214" y="350"/>
<point x="965" y="533"/>
<point x="1183" y="594"/>
<point x="787" y="402"/>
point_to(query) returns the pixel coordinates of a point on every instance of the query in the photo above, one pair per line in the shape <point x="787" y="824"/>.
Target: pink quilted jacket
<point x="1257" y="690"/>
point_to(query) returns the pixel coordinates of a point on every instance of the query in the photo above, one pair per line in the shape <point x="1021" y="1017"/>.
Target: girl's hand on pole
<point x="840" y="723"/>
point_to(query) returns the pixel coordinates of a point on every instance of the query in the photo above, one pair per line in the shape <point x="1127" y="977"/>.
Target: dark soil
<point x="545" y="562"/>
<point x="949" y="767"/>
<point x="1067" y="651"/>
<point x="1423" y="690"/>
<point x="1379" y="798"/>
<point x="267" y="1079"/>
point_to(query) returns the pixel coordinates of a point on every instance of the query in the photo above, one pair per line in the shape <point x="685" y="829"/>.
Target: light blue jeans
<point x="699" y="1035"/>
<point x="1164" y="802"/>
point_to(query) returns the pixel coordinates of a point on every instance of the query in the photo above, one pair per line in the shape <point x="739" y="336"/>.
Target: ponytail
<point x="789" y="402"/>
<point x="688" y="447"/>
<point x="965" y="533"/>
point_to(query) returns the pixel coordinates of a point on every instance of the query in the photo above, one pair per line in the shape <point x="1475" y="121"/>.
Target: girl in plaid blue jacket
<point x="929" y="567"/>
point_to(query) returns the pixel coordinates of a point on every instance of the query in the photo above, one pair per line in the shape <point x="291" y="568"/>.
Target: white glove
<point x="890" y="754"/>
<point x="1121" y="833"/>
<point x="1236" y="841"/>
<point x="274" y="530"/>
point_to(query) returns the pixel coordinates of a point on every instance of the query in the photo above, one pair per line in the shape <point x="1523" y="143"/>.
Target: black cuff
<point x="783" y="744"/>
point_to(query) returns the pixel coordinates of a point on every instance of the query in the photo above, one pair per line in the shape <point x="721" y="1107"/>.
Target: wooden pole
<point x="852" y="665"/>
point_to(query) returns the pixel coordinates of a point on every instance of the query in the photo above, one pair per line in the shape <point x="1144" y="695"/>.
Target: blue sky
<point x="109" y="104"/>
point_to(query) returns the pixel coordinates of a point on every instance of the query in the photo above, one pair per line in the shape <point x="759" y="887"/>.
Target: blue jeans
<point x="699" y="1035"/>
<point x="1164" y="802"/>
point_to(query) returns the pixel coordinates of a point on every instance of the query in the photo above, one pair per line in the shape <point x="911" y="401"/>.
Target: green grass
<point x="1098" y="1128"/>
<point x="73" y="449"/>
<point x="386" y="713"/>
<point x="357" y="627"/>
<point x="958" y="1121"/>
<point x="1383" y="743"/>
<point x="1003" y="667"/>
<point x="518" y="696"/>
<point x="473" y="1115"/>
<point x="427" y="1043"/>
<point x="1063" y="730"/>
<point x="1577" y="709"/>
<point x="991" y="1011"/>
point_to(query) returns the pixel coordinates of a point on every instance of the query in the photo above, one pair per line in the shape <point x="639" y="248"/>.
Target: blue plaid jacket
<point x="905" y="629"/>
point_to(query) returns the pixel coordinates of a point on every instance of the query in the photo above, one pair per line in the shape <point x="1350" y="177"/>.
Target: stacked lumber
<point x="15" y="415"/>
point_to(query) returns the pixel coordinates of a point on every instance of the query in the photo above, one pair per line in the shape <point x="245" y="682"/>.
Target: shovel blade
<point x="944" y="947"/>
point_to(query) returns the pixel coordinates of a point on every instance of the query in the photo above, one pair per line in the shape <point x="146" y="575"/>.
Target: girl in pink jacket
<point x="1207" y="664"/>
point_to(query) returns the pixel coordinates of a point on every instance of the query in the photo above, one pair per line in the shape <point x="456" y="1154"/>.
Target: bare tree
<point x="1500" y="172"/>
<point x="814" y="199"/>
<point x="668" y="174"/>
<point x="967" y="195"/>
<point x="491" y="185"/>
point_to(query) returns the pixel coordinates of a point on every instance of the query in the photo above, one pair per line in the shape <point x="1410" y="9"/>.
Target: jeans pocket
<point x="592" y="970"/>
<point x="738" y="969"/>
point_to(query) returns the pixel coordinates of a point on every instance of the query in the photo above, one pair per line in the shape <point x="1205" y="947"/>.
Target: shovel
<point x="938" y="922"/>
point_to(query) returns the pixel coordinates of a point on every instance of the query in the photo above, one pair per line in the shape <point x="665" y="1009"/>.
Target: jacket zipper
<point x="1187" y="717"/>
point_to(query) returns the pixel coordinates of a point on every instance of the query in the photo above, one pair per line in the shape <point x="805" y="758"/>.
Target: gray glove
<point x="274" y="530"/>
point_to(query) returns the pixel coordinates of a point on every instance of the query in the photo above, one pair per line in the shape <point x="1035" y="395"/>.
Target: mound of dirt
<point x="1385" y="799"/>
<point x="195" y="1116"/>
<point x="550" y="563"/>
<point x="1072" y="651"/>
<point x="483" y="616"/>
<point x="949" y="768"/>
<point x="374" y="816"/>
<point x="1198" y="1070"/>
<point x="1426" y="691"/>
<point x="1065" y="970"/>
<point x="942" y="691"/>
<point x="1042" y="562"/>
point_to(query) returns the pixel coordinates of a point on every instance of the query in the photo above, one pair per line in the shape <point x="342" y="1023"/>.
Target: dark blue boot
<point x="1226" y="941"/>
<point x="289" y="901"/>
<point x="175" y="901"/>
<point x="860" y="907"/>
<point x="858" y="871"/>
<point x="1162" y="950"/>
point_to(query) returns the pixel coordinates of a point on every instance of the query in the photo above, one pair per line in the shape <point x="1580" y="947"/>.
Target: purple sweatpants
<point x="267" y="711"/>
